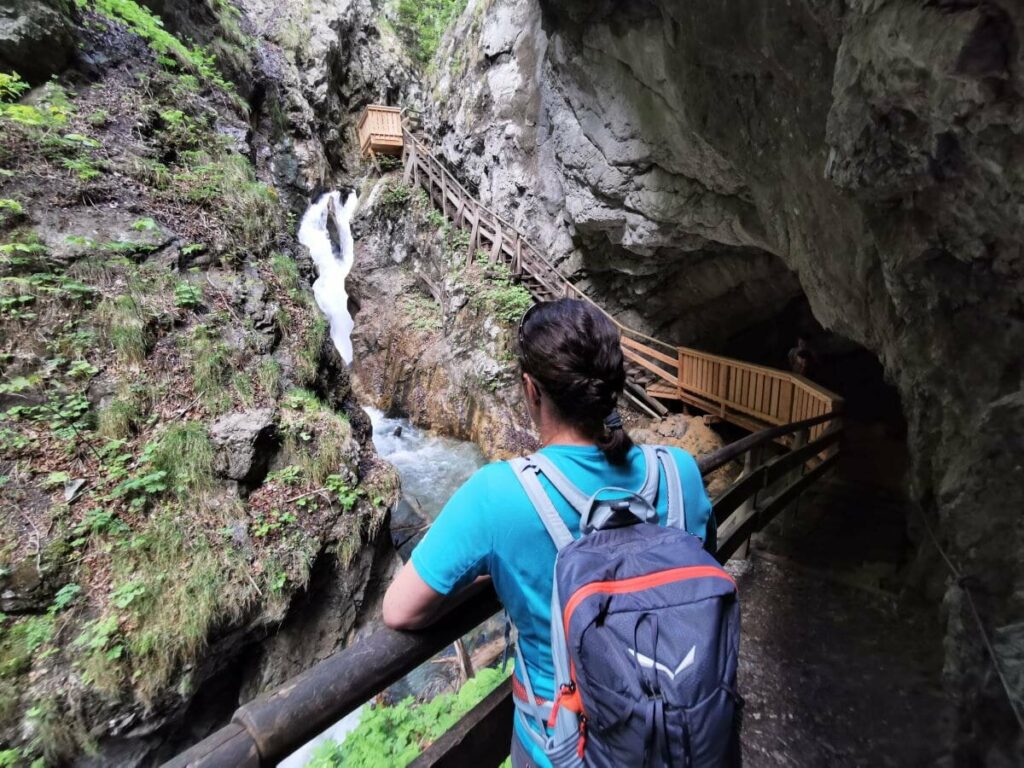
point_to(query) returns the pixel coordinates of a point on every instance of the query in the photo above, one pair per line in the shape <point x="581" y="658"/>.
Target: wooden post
<point x="496" y="245"/>
<point x="465" y="663"/>
<point x="444" y="194"/>
<point x="410" y="163"/>
<point x="474" y="236"/>
<point x="751" y="462"/>
<point x="680" y="371"/>
<point x="517" y="259"/>
<point x="788" y="516"/>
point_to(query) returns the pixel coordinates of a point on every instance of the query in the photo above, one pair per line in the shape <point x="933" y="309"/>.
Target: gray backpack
<point x="644" y="631"/>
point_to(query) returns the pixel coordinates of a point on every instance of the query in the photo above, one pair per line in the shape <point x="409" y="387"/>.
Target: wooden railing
<point x="751" y="396"/>
<point x="275" y="724"/>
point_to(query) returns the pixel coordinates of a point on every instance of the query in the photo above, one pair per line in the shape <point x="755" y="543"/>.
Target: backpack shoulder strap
<point x="649" y="491"/>
<point x="576" y="498"/>
<point x="676" y="504"/>
<point x="526" y="472"/>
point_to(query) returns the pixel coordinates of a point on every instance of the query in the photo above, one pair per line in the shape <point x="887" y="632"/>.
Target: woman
<point x="572" y="372"/>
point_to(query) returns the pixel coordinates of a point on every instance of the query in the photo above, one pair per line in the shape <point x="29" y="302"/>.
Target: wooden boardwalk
<point x="751" y="396"/>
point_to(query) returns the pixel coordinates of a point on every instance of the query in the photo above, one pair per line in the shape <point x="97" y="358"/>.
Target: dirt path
<point x="835" y="675"/>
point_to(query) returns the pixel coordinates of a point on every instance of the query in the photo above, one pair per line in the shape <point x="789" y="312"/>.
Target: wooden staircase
<point x="751" y="396"/>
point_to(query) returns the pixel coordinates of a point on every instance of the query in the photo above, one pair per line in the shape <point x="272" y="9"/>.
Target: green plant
<point x="421" y="23"/>
<point x="187" y="295"/>
<point x="139" y="490"/>
<point x="11" y="86"/>
<point x="184" y="456"/>
<point x="393" y="736"/>
<point x="210" y="370"/>
<point x="82" y="369"/>
<point x="346" y="495"/>
<point x="269" y="376"/>
<point x="83" y="168"/>
<point x="145" y="224"/>
<point x="65" y="596"/>
<point x="20" y="641"/>
<point x="307" y="360"/>
<point x="395" y="196"/>
<point x="10" y="209"/>
<point x="123" y="324"/>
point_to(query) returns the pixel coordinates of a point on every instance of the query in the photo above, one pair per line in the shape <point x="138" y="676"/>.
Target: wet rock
<point x="36" y="40"/>
<point x="263" y="314"/>
<point x="74" y="233"/>
<point x="408" y="525"/>
<point x="24" y="589"/>
<point x="246" y="442"/>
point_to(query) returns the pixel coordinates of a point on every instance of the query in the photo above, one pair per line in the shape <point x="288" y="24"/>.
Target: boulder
<point x="35" y="38"/>
<point x="246" y="442"/>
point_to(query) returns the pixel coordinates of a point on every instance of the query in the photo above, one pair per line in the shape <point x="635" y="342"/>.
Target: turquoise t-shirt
<point x="489" y="527"/>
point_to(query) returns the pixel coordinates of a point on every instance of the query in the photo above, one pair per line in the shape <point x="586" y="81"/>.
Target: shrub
<point x="421" y="23"/>
<point x="393" y="736"/>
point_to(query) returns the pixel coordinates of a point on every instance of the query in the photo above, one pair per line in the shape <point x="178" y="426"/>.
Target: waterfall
<point x="333" y="261"/>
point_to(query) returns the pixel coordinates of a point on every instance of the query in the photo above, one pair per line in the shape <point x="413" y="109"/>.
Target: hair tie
<point x="613" y="421"/>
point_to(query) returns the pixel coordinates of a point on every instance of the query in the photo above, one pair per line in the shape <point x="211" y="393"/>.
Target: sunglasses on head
<point x="522" y="322"/>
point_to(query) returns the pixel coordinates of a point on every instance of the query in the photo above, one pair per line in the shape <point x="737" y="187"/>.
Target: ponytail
<point x="615" y="443"/>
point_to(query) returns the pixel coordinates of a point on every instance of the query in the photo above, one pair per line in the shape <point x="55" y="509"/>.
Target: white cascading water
<point x="332" y="263"/>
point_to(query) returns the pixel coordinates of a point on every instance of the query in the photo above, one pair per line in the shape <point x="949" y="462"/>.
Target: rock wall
<point x="426" y="342"/>
<point x="699" y="163"/>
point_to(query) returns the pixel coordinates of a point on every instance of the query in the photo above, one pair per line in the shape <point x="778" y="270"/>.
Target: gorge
<point x="192" y="324"/>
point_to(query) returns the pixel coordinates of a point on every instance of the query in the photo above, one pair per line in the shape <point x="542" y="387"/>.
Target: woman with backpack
<point x="627" y="627"/>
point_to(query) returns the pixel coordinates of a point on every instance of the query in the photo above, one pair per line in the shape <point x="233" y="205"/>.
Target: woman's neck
<point x="562" y="434"/>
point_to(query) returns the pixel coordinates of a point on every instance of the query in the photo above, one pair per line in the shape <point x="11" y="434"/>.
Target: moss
<point x="182" y="587"/>
<point x="185" y="453"/>
<point x="269" y="377"/>
<point x="123" y="324"/>
<point x="117" y="420"/>
<point x="307" y="358"/>
<point x="210" y="368"/>
<point x="20" y="640"/>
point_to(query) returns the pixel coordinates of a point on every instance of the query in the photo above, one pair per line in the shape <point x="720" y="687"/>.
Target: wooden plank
<point x="409" y="165"/>
<point x="633" y="344"/>
<point x="459" y="211"/>
<point x="633" y="356"/>
<point x="481" y="738"/>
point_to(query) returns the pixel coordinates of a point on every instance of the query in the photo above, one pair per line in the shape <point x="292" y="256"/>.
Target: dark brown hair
<point x="571" y="349"/>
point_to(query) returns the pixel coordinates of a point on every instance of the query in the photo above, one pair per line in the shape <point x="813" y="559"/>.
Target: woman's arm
<point x="410" y="603"/>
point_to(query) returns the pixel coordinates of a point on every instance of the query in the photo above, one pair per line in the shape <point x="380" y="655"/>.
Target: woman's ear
<point x="531" y="389"/>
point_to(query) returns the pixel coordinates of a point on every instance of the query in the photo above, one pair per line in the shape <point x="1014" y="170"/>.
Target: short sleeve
<point x="458" y="545"/>
<point x="695" y="497"/>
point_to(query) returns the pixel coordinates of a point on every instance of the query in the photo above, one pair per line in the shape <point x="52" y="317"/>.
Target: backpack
<point x="644" y="631"/>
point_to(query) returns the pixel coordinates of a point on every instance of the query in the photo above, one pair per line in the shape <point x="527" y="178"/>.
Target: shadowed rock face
<point x="699" y="163"/>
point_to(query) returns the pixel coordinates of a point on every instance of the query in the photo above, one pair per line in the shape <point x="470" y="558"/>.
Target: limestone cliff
<point x="433" y="335"/>
<point x="697" y="164"/>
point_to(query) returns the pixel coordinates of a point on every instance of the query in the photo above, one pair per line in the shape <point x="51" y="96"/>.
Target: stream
<point x="431" y="467"/>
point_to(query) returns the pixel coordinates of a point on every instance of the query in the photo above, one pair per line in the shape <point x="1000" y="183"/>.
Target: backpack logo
<point x="648" y="663"/>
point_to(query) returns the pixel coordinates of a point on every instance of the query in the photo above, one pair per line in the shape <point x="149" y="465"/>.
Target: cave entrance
<point x="854" y="520"/>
